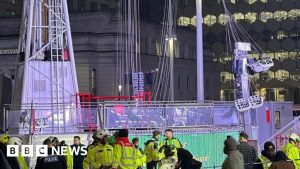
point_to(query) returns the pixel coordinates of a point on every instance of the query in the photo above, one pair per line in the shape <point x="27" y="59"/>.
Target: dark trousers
<point x="152" y="165"/>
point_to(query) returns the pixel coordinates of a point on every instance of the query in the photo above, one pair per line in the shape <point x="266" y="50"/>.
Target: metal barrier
<point x="68" y="118"/>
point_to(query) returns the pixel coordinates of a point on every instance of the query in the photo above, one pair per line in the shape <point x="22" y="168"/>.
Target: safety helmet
<point x="294" y="137"/>
<point x="101" y="133"/>
<point x="14" y="141"/>
<point x="4" y="138"/>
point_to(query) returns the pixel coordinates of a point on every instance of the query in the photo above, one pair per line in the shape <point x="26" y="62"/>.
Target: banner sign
<point x="205" y="147"/>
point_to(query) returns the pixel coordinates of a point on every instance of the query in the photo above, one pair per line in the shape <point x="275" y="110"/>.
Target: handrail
<point x="281" y="130"/>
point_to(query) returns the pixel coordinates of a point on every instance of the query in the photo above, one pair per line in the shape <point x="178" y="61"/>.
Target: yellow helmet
<point x="4" y="138"/>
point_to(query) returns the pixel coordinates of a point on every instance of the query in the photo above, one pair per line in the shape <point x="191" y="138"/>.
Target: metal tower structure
<point x="46" y="77"/>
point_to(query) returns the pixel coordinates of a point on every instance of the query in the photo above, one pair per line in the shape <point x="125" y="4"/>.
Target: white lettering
<point x="63" y="150"/>
<point x="83" y="150"/>
<point x="8" y="51"/>
<point x="12" y="150"/>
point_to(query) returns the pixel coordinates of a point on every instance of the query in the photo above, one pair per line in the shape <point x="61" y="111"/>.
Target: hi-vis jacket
<point x="292" y="152"/>
<point x="125" y="155"/>
<point x="151" y="150"/>
<point x="87" y="160"/>
<point x="102" y="156"/>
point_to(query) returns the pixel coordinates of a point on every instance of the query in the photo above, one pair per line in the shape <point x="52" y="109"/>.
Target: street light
<point x="120" y="90"/>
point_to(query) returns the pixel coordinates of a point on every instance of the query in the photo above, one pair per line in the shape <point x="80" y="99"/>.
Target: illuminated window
<point x="238" y="16"/>
<point x="255" y="76"/>
<point x="293" y="55"/>
<point x="295" y="77"/>
<point x="269" y="75"/>
<point x="264" y="1"/>
<point x="158" y="48"/>
<point x="183" y="21"/>
<point x="268" y="55"/>
<point x="222" y="19"/>
<point x="281" y="55"/>
<point x="294" y="34"/>
<point x="280" y="15"/>
<point x="226" y="77"/>
<point x="294" y="14"/>
<point x="233" y="1"/>
<point x="282" y="74"/>
<point x="194" y="21"/>
<point x="251" y="17"/>
<point x="281" y="34"/>
<point x="250" y="1"/>
<point x="265" y="16"/>
<point x="210" y="20"/>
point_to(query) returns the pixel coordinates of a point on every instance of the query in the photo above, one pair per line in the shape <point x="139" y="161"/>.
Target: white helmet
<point x="101" y="133"/>
<point x="294" y="136"/>
<point x="14" y="141"/>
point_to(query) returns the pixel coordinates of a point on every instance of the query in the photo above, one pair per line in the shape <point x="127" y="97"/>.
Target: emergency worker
<point x="151" y="150"/>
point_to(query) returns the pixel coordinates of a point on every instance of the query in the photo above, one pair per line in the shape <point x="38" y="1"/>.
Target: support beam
<point x="200" y="76"/>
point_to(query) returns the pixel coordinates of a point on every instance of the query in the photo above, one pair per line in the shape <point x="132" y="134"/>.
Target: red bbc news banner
<point x="268" y="115"/>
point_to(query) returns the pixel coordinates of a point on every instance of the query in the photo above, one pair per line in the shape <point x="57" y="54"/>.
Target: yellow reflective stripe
<point x="265" y="162"/>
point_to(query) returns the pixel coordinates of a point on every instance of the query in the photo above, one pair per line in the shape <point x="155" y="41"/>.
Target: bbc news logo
<point x="42" y="150"/>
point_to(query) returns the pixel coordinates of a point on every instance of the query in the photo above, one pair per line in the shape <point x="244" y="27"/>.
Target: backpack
<point x="196" y="164"/>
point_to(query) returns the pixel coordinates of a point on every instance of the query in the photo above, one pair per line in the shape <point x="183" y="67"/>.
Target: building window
<point x="280" y="15"/>
<point x="264" y="1"/>
<point x="294" y="34"/>
<point x="294" y="14"/>
<point x="210" y="20"/>
<point x="250" y="1"/>
<point x="293" y="55"/>
<point x="295" y="77"/>
<point x="251" y="17"/>
<point x="238" y="16"/>
<point x="158" y="48"/>
<point x="194" y="21"/>
<point x="281" y="55"/>
<point x="183" y="21"/>
<point x="222" y="19"/>
<point x="226" y="77"/>
<point x="281" y="35"/>
<point x="265" y="16"/>
<point x="282" y="74"/>
<point x="269" y="55"/>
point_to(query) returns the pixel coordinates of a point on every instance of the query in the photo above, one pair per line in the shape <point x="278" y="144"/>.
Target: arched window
<point x="210" y="20"/>
<point x="194" y="21"/>
<point x="280" y="15"/>
<point x="265" y="16"/>
<point x="238" y="16"/>
<point x="183" y="21"/>
<point x="282" y="74"/>
<point x="222" y="19"/>
<point x="281" y="55"/>
<point x="294" y="14"/>
<point x="251" y="17"/>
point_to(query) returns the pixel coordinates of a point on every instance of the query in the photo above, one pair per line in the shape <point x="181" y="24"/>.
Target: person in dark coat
<point x="12" y="161"/>
<point x="267" y="156"/>
<point x="77" y="158"/>
<point x="3" y="162"/>
<point x="281" y="162"/>
<point x="234" y="159"/>
<point x="249" y="153"/>
<point x="52" y="161"/>
<point x="186" y="160"/>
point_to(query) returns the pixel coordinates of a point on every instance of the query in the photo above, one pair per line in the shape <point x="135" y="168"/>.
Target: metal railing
<point x="39" y="118"/>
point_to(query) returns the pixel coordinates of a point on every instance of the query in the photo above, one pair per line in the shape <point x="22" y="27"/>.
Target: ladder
<point x="56" y="30"/>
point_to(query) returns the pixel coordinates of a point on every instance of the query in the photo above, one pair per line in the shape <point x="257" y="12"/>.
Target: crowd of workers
<point x="117" y="152"/>
<point x="244" y="156"/>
